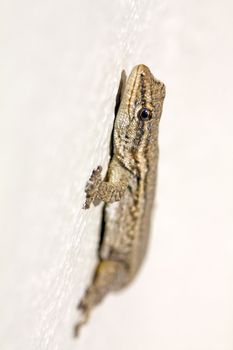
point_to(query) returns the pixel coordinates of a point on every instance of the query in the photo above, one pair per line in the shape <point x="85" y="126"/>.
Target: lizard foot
<point x="92" y="186"/>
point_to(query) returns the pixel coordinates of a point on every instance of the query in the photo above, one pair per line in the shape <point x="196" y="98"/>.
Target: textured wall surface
<point x="61" y="66"/>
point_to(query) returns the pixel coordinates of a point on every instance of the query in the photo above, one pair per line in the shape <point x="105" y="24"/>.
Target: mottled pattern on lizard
<point x="128" y="188"/>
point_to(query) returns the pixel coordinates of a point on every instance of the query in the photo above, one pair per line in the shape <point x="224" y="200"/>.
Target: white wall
<point x="61" y="66"/>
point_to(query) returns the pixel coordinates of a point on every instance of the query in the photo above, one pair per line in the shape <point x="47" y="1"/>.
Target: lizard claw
<point x="92" y="186"/>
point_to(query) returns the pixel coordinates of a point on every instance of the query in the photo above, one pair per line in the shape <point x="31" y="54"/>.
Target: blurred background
<point x="61" y="63"/>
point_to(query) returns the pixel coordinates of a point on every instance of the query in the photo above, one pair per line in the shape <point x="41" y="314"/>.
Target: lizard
<point x="128" y="189"/>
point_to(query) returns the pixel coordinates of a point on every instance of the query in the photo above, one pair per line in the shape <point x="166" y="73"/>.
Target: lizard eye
<point x="144" y="114"/>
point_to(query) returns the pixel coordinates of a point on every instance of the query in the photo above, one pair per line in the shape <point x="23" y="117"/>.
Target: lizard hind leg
<point x="108" y="277"/>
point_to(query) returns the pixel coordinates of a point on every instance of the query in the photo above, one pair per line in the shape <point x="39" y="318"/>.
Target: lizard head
<point x="137" y="120"/>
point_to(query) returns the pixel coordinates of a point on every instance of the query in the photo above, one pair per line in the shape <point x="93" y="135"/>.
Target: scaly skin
<point x="129" y="185"/>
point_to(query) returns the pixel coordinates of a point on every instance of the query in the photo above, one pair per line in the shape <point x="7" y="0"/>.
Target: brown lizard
<point x="128" y="189"/>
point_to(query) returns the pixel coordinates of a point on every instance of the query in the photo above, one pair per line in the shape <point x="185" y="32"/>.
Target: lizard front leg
<point x="108" y="191"/>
